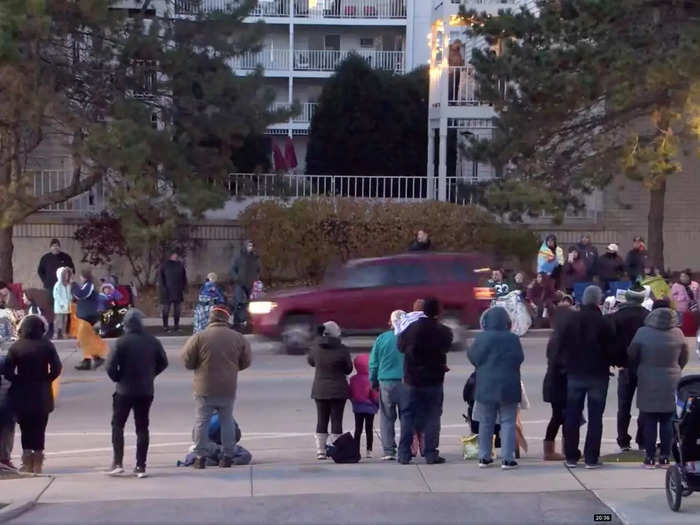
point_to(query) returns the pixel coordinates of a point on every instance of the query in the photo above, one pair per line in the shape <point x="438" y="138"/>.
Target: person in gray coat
<point x="497" y="355"/>
<point x="658" y="353"/>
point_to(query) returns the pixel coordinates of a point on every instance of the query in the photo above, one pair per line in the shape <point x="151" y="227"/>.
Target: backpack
<point x="344" y="450"/>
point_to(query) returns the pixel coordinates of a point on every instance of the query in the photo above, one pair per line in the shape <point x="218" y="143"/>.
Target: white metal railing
<point x="484" y="2"/>
<point x="47" y="181"/>
<point x="350" y="8"/>
<point x="308" y="109"/>
<point x="328" y="60"/>
<point x="271" y="8"/>
<point x="461" y="86"/>
<point x="269" y="58"/>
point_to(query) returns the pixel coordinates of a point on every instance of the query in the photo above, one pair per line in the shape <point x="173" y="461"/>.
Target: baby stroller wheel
<point x="674" y="487"/>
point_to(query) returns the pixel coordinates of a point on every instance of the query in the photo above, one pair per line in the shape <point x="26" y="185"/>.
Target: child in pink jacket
<point x="365" y="401"/>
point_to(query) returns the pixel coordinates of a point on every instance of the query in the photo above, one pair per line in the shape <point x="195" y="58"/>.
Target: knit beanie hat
<point x="635" y="296"/>
<point x="592" y="296"/>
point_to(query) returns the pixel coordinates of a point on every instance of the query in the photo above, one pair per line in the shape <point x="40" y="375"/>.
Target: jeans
<point x="33" y="429"/>
<point x="663" y="420"/>
<point x="366" y="421"/>
<point x="422" y="404"/>
<point x="7" y="439"/>
<point x="177" y="308"/>
<point x="205" y="407"/>
<point x="121" y="406"/>
<point x="329" y="409"/>
<point x="556" y="421"/>
<point x="626" y="385"/>
<point x="578" y="389"/>
<point x="390" y="395"/>
<point x="508" y="413"/>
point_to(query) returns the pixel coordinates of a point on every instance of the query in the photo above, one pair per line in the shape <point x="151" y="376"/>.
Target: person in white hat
<point x="611" y="267"/>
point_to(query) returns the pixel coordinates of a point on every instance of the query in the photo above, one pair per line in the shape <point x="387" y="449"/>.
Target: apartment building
<point x="305" y="40"/>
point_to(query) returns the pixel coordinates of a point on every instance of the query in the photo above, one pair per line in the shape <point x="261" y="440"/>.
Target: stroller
<point x="683" y="478"/>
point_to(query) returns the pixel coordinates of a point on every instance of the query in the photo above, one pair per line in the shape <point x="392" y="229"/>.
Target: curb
<point x="16" y="509"/>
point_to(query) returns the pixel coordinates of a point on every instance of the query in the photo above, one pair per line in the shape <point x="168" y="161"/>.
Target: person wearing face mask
<point x="244" y="272"/>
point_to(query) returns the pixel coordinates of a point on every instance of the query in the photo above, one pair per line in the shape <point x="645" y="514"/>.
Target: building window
<point x="367" y="43"/>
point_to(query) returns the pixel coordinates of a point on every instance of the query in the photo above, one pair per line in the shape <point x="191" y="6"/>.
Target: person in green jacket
<point x="386" y="374"/>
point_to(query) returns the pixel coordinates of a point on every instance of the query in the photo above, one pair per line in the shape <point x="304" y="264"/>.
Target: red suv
<point x="361" y="294"/>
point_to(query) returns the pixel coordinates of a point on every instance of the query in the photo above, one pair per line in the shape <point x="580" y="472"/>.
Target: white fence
<point x="302" y="8"/>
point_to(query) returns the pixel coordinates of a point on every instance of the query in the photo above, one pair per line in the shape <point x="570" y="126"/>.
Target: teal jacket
<point x="385" y="361"/>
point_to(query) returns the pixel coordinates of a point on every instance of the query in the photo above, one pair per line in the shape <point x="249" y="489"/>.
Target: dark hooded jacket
<point x="136" y="359"/>
<point x="49" y="264"/>
<point x="497" y="355"/>
<point x="589" y="255"/>
<point x="172" y="282"/>
<point x="587" y="343"/>
<point x="332" y="361"/>
<point x="425" y="344"/>
<point x="246" y="269"/>
<point x="658" y="353"/>
<point x="611" y="267"/>
<point x="627" y="320"/>
<point x="554" y="384"/>
<point x="32" y="363"/>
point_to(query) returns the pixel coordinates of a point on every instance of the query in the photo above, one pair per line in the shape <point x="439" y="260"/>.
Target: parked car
<point x="361" y="294"/>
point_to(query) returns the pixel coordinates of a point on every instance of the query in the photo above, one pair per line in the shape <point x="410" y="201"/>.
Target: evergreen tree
<point x="586" y="90"/>
<point x="141" y="100"/>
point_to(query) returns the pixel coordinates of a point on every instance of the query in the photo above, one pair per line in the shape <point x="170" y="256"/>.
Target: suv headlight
<point x="261" y="307"/>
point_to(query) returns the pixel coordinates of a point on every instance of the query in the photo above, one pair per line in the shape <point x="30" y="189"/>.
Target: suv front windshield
<point x="357" y="276"/>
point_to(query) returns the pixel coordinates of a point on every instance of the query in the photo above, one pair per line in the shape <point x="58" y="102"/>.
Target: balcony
<point x="308" y="109"/>
<point x="312" y="9"/>
<point x="47" y="181"/>
<point x="461" y="86"/>
<point x="318" y="60"/>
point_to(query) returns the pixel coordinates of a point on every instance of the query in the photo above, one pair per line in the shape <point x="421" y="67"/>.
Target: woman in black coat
<point x="31" y="365"/>
<point x="330" y="389"/>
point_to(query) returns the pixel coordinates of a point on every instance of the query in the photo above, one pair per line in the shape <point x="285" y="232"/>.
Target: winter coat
<point x="216" y="355"/>
<point x="61" y="294"/>
<point x="49" y="265"/>
<point x="209" y="295"/>
<point x="88" y="301"/>
<point x="172" y="282"/>
<point x="589" y="256"/>
<point x="136" y="359"/>
<point x="497" y="355"/>
<point x="573" y="273"/>
<point x="611" y="267"/>
<point x="246" y="269"/>
<point x="31" y="365"/>
<point x="635" y="263"/>
<point x="364" y="399"/>
<point x="587" y="343"/>
<point x="658" y="353"/>
<point x="41" y="299"/>
<point x="331" y="358"/>
<point x="680" y="297"/>
<point x="385" y="360"/>
<point x="542" y="294"/>
<point x="548" y="260"/>
<point x="425" y="344"/>
<point x="554" y="383"/>
<point x="627" y="320"/>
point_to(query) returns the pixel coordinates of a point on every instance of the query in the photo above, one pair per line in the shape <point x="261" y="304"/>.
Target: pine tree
<point x="141" y="100"/>
<point x="586" y="90"/>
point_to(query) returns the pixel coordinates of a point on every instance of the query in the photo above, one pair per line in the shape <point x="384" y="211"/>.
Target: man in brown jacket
<point x="216" y="355"/>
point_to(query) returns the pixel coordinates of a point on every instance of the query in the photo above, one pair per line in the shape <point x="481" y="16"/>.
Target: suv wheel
<point x="297" y="334"/>
<point x="459" y="334"/>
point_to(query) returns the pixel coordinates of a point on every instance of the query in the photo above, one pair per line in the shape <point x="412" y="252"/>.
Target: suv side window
<point x="364" y="276"/>
<point x="455" y="272"/>
<point x="409" y="274"/>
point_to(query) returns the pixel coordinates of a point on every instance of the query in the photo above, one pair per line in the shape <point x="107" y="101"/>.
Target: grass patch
<point x="631" y="456"/>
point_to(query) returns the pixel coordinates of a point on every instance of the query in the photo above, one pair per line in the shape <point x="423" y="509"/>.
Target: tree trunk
<point x="6" y="249"/>
<point x="657" y="203"/>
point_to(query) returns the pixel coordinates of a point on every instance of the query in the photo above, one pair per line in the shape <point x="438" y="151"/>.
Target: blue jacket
<point x="385" y="360"/>
<point x="497" y="355"/>
<point x="88" y="302"/>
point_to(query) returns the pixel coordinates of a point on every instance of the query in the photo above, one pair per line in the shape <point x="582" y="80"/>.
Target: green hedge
<point x="299" y="240"/>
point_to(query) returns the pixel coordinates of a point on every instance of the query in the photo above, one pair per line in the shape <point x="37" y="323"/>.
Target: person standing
<point x="685" y="294"/>
<point x="497" y="355"/>
<point x="173" y="283"/>
<point x="425" y="344"/>
<point x="133" y="364"/>
<point x="330" y="389"/>
<point x="587" y="341"/>
<point x="611" y="267"/>
<point x="589" y="255"/>
<point x="244" y="272"/>
<point x="61" y="300"/>
<point x="386" y="373"/>
<point x="31" y="365"/>
<point x="627" y="320"/>
<point x="657" y="354"/>
<point x="216" y="355"/>
<point x="637" y="260"/>
<point x="93" y="346"/>
<point x="7" y="421"/>
<point x="51" y="262"/>
<point x="574" y="271"/>
<point x="365" y="402"/>
<point x="421" y="243"/>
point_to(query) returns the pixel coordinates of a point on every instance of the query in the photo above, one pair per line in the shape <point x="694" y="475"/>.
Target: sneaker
<point x="439" y="460"/>
<point x="369" y="454"/>
<point x="140" y="472"/>
<point x="116" y="470"/>
<point x="389" y="457"/>
<point x="225" y="462"/>
<point x="200" y="463"/>
<point x="7" y="465"/>
<point x="485" y="462"/>
<point x="648" y="463"/>
<point x="166" y="329"/>
<point x="97" y="363"/>
<point x="85" y="364"/>
<point x="509" y="465"/>
<point x="570" y="463"/>
<point x="593" y="466"/>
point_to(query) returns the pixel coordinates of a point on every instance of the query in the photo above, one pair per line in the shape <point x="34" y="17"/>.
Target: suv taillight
<point x="483" y="294"/>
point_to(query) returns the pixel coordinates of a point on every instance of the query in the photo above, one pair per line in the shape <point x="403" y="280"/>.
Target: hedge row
<point x="299" y="240"/>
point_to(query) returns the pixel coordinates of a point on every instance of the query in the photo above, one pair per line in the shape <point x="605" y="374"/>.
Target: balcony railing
<point x="318" y="59"/>
<point x="318" y="9"/>
<point x="461" y="86"/>
<point x="307" y="111"/>
<point x="270" y="59"/>
<point x="91" y="201"/>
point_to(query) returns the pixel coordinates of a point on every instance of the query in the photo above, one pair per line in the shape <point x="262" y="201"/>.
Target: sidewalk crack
<point x="430" y="489"/>
<point x="251" y="480"/>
